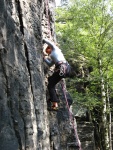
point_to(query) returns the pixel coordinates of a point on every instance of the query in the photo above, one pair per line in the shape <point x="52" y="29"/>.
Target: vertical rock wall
<point x="23" y="112"/>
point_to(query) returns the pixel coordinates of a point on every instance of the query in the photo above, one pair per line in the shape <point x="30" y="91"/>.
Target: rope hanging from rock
<point x="48" y="19"/>
<point x="70" y="115"/>
<point x="62" y="83"/>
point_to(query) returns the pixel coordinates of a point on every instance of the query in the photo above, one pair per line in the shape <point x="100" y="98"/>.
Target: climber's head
<point x="48" y="50"/>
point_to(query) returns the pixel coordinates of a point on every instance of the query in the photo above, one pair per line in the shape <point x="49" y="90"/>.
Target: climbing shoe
<point x="54" y="106"/>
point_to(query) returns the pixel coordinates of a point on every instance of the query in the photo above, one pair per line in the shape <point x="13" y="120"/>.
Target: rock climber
<point x="62" y="70"/>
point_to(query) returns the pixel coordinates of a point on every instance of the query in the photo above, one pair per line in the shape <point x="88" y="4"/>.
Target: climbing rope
<point x="48" y="20"/>
<point x="70" y="115"/>
<point x="64" y="90"/>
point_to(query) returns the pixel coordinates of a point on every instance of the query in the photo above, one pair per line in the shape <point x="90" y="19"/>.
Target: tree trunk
<point x="109" y="115"/>
<point x="104" y="127"/>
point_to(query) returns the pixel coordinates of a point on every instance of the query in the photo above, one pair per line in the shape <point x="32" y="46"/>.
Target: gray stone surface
<point x="23" y="111"/>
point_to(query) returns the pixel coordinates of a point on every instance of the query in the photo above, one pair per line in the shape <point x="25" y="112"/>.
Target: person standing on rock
<point x="62" y="69"/>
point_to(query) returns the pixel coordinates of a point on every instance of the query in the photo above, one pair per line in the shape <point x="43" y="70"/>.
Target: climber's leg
<point x="52" y="81"/>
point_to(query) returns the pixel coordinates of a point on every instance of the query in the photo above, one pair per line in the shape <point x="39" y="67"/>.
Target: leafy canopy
<point x="86" y="27"/>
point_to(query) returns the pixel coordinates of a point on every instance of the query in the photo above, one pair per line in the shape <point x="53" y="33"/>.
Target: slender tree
<point x="86" y="28"/>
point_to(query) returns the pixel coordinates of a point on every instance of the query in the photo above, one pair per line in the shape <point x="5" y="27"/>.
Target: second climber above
<point x="62" y="70"/>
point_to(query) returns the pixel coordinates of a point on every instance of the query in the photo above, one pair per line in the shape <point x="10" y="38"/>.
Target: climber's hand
<point x="44" y="55"/>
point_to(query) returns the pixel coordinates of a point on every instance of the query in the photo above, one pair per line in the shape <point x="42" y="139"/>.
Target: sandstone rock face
<point x="23" y="112"/>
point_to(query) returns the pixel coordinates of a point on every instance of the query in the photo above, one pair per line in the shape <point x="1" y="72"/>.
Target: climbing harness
<point x="62" y="70"/>
<point x="70" y="115"/>
<point x="65" y="70"/>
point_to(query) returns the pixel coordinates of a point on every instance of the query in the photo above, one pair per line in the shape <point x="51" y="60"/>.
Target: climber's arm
<point x="51" y="44"/>
<point x="49" y="62"/>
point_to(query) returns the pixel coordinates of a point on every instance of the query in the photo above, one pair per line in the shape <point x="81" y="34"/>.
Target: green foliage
<point x="85" y="28"/>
